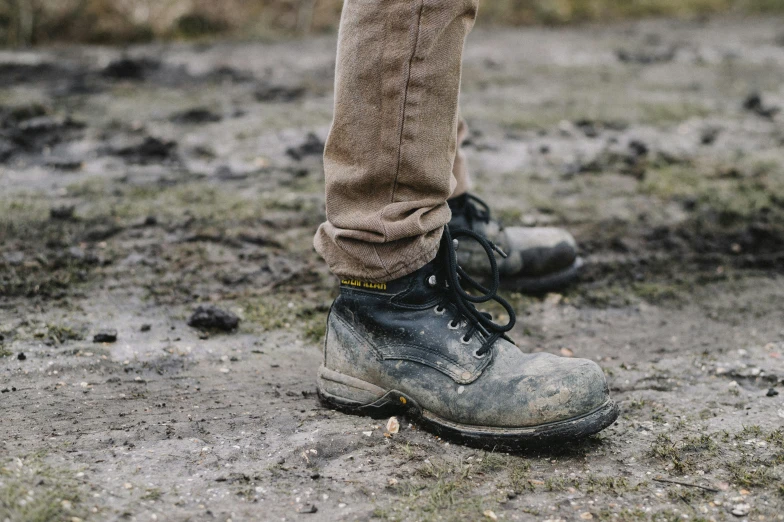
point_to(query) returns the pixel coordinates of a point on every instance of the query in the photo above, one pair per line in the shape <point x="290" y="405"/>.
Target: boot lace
<point x="453" y="281"/>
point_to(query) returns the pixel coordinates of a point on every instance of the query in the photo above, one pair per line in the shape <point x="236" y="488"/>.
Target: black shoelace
<point x="453" y="282"/>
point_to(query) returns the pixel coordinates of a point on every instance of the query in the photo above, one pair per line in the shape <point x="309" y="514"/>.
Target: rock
<point x="195" y="116"/>
<point x="311" y="508"/>
<point x="151" y="150"/>
<point x="105" y="336"/>
<point x="648" y="54"/>
<point x="213" y="318"/>
<point x="21" y="356"/>
<point x="708" y="136"/>
<point x="130" y="69"/>
<point x="772" y="392"/>
<point x="753" y="103"/>
<point x="393" y="425"/>
<point x="64" y="164"/>
<point x="145" y="328"/>
<point x="740" y="510"/>
<point x="313" y="146"/>
<point x="277" y="93"/>
<point x="62" y="213"/>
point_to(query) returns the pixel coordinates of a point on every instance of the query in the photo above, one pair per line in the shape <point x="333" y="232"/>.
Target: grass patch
<point x="297" y="314"/>
<point x="31" y="491"/>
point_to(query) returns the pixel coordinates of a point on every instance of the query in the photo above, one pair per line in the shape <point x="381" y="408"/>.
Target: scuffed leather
<point x="395" y="340"/>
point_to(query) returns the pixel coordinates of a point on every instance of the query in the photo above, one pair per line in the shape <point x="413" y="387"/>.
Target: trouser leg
<point x="460" y="168"/>
<point x="390" y="153"/>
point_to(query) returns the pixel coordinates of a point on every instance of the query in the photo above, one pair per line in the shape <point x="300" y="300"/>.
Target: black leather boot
<point x="419" y="345"/>
<point x="540" y="259"/>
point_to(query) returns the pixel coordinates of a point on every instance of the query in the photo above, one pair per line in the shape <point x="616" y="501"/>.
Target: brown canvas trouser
<point x="391" y="159"/>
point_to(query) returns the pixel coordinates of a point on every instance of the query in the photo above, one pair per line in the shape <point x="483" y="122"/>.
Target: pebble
<point x="22" y="357"/>
<point x="740" y="510"/>
<point x="105" y="336"/>
<point x="393" y="426"/>
<point x="772" y="392"/>
<point x="212" y="317"/>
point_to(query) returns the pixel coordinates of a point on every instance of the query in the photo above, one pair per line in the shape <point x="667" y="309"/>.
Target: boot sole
<point x="547" y="283"/>
<point x="394" y="402"/>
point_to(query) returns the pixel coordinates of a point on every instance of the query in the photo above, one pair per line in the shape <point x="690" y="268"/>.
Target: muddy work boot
<point x="418" y="345"/>
<point x="539" y="259"/>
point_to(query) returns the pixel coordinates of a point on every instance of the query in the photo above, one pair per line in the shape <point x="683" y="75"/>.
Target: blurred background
<point x="26" y="22"/>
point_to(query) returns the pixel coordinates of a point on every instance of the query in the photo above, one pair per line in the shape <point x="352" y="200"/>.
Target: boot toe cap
<point x="543" y="249"/>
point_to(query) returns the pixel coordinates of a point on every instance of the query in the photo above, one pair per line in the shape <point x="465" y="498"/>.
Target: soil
<point x="139" y="184"/>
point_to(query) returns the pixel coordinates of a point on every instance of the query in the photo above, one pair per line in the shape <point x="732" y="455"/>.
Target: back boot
<point x="540" y="259"/>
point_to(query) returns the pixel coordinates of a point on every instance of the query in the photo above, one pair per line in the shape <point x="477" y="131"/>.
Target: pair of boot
<point x="419" y="345"/>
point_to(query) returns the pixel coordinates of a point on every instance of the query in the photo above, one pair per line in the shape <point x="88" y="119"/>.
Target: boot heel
<point x="347" y="390"/>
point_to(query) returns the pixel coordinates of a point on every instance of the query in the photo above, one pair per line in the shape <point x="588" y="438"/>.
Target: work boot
<point x="539" y="259"/>
<point x="418" y="345"/>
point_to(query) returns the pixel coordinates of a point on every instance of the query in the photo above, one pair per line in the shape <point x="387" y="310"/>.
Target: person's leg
<point x="404" y="334"/>
<point x="392" y="144"/>
<point x="460" y="168"/>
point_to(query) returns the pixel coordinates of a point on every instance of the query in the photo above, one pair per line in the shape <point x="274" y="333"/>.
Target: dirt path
<point x="136" y="186"/>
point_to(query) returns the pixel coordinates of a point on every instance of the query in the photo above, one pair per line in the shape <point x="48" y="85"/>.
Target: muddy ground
<point x="138" y="184"/>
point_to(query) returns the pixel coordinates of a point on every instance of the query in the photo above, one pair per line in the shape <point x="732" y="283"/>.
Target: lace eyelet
<point x="453" y="325"/>
<point x="463" y="340"/>
<point x="432" y="281"/>
<point x="439" y="310"/>
<point x="477" y="356"/>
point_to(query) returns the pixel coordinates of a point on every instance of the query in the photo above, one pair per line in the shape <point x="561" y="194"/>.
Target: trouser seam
<point x="403" y="107"/>
<point x="405" y="100"/>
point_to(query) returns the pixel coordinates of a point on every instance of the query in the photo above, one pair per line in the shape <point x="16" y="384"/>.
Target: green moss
<point x="743" y="473"/>
<point x="271" y="313"/>
<point x="59" y="334"/>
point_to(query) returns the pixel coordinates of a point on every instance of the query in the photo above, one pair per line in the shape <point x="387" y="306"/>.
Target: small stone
<point x="740" y="510"/>
<point x="772" y="392"/>
<point x="309" y="509"/>
<point x="367" y="433"/>
<point x="64" y="213"/>
<point x="212" y="317"/>
<point x="316" y="475"/>
<point x="586" y="515"/>
<point x="145" y="328"/>
<point x="393" y="426"/>
<point x="23" y="357"/>
<point x="489" y="514"/>
<point x="105" y="336"/>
